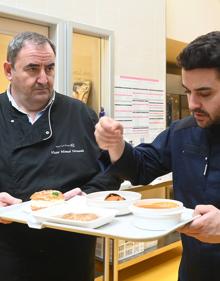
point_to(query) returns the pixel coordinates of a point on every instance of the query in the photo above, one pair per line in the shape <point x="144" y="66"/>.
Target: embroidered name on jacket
<point x="66" y="149"/>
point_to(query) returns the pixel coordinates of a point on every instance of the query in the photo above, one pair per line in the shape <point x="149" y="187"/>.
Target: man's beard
<point x="209" y="121"/>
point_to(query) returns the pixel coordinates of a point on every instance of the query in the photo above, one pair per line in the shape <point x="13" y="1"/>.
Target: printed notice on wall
<point x="139" y="104"/>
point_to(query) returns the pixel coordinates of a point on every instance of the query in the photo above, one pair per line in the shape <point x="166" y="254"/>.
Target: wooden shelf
<point x="162" y="267"/>
<point x="165" y="244"/>
<point x="147" y="255"/>
<point x="99" y="278"/>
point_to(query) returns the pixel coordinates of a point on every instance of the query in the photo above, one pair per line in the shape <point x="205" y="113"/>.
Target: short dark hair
<point x="203" y="52"/>
<point x="18" y="42"/>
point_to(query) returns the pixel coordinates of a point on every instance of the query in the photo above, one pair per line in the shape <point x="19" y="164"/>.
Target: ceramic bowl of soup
<point x="156" y="213"/>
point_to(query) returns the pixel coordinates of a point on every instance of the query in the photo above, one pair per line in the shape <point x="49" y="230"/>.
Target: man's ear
<point x="8" y="70"/>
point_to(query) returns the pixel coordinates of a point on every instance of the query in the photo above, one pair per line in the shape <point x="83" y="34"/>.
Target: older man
<point x="47" y="142"/>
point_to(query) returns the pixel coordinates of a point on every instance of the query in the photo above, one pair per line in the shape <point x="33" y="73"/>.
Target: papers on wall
<point x="139" y="104"/>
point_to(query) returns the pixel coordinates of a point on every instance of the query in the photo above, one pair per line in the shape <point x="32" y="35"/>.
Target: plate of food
<point x="44" y="199"/>
<point x="116" y="200"/>
<point x="75" y="215"/>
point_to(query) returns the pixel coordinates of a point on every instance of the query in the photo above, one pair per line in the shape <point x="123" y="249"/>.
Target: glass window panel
<point x="172" y="104"/>
<point x="86" y="59"/>
<point x="184" y="110"/>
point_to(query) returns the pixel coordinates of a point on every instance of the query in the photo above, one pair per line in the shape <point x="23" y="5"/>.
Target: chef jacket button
<point x="47" y="132"/>
<point x="12" y="120"/>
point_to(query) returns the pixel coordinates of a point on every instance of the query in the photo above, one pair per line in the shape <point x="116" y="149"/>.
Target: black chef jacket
<point x="58" y="151"/>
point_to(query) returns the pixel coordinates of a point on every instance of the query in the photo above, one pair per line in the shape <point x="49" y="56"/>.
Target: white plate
<point x="51" y="215"/>
<point x="97" y="199"/>
<point x="27" y="207"/>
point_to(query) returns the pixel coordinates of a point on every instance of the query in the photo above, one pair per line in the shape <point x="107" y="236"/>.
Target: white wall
<point x="139" y="28"/>
<point x="190" y="18"/>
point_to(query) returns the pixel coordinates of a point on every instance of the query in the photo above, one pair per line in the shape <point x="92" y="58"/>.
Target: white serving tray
<point x="121" y="227"/>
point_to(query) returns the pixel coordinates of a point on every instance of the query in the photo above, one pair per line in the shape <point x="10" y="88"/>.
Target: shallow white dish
<point x="51" y="215"/>
<point x="98" y="199"/>
<point x="27" y="206"/>
<point x="155" y="218"/>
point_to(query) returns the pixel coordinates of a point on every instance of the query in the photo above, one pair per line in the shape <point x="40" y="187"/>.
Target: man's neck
<point x="33" y="114"/>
